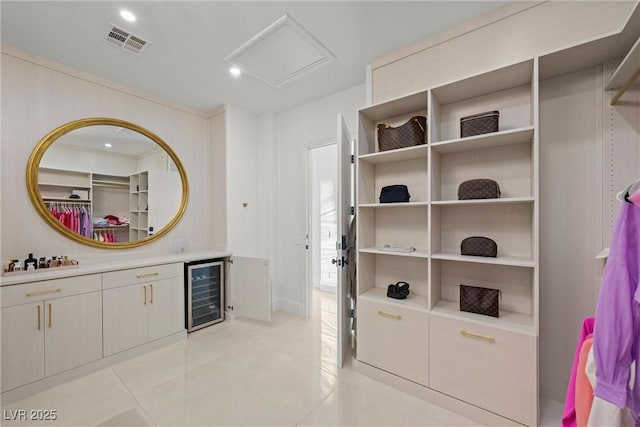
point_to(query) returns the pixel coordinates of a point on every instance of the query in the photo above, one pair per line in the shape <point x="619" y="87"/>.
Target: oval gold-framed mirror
<point x="107" y="183"/>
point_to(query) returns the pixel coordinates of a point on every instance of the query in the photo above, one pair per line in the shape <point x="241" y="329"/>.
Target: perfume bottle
<point x="30" y="263"/>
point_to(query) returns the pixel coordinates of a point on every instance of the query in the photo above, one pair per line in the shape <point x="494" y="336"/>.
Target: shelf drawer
<point x="50" y="289"/>
<point x="132" y="276"/>
<point x="488" y="367"/>
<point x="394" y="339"/>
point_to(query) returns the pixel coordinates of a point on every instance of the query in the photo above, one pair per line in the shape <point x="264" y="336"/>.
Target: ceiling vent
<point x="282" y="51"/>
<point x="125" y="40"/>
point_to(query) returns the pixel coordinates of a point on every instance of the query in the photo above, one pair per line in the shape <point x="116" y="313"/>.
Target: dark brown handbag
<point x="474" y="299"/>
<point x="478" y="124"/>
<point x="482" y="188"/>
<point x="479" y="246"/>
<point x="407" y="135"/>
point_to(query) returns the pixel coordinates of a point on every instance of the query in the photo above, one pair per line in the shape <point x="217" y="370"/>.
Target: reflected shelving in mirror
<point x="107" y="183"/>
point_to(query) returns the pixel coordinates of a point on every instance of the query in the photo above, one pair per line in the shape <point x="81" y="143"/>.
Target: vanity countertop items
<point x="92" y="268"/>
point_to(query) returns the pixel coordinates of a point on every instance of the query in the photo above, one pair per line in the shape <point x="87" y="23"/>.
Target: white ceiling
<point x="184" y="62"/>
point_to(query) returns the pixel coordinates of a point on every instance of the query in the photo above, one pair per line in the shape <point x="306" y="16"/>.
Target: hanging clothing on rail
<point x="569" y="413"/>
<point x="616" y="343"/>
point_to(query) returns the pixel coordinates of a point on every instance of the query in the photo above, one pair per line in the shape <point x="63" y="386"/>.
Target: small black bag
<point x="479" y="246"/>
<point x="394" y="194"/>
<point x="479" y="189"/>
<point x="478" y="300"/>
<point x="398" y="291"/>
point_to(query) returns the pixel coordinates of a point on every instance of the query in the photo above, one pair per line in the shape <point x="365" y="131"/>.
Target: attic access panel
<point x="281" y="52"/>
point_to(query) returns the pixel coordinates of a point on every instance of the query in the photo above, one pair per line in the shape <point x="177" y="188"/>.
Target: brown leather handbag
<point x="478" y="124"/>
<point x="407" y="135"/>
<point x="474" y="299"/>
<point x="482" y="188"/>
<point x="479" y="246"/>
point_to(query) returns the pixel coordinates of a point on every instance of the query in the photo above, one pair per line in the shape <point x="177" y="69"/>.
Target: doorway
<point x="322" y="208"/>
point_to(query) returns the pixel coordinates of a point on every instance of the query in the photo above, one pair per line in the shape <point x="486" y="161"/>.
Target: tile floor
<point x="239" y="373"/>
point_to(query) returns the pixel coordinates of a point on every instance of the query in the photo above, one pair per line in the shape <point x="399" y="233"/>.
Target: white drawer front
<point x="50" y="289"/>
<point x="491" y="368"/>
<point x="394" y="339"/>
<point x="114" y="279"/>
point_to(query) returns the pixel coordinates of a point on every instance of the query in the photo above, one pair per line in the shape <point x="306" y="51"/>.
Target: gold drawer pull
<point x="43" y="291"/>
<point x="390" y="315"/>
<point x="142" y="276"/>
<point x="145" y="295"/>
<point x="49" y="315"/>
<point x="482" y="337"/>
<point x="151" y="286"/>
<point x="38" y="316"/>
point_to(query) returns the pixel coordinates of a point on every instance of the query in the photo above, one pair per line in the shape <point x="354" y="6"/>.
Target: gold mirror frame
<point x="38" y="201"/>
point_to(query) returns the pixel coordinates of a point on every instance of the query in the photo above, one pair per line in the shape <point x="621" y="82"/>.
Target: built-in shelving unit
<point x="428" y="327"/>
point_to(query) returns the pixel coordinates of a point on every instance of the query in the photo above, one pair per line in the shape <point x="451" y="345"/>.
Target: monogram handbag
<point x="394" y="194"/>
<point x="407" y="135"/>
<point x="479" y="246"/>
<point x="482" y="188"/>
<point x="478" y="124"/>
<point x="474" y="299"/>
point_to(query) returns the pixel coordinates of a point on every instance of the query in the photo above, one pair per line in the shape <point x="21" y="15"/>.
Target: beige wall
<point x="38" y="96"/>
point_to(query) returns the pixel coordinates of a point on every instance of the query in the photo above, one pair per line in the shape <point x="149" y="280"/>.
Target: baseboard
<point x="27" y="390"/>
<point x="442" y="400"/>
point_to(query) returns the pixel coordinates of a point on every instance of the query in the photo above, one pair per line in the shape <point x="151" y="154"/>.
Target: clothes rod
<point x="624" y="88"/>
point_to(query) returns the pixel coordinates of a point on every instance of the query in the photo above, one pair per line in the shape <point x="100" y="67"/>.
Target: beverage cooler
<point x="204" y="288"/>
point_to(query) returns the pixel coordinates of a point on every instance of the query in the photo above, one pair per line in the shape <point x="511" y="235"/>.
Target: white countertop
<point x="120" y="264"/>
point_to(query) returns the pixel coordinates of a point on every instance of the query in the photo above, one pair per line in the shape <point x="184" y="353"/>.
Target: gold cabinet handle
<point x="38" y="316"/>
<point x="142" y="276"/>
<point x="49" y="315"/>
<point x="390" y="315"/>
<point x="151" y="286"/>
<point x="43" y="291"/>
<point x="145" y="295"/>
<point x="481" y="337"/>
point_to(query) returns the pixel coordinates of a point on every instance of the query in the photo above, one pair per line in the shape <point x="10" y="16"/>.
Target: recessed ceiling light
<point x="235" y="71"/>
<point x="128" y="15"/>
<point x="108" y="145"/>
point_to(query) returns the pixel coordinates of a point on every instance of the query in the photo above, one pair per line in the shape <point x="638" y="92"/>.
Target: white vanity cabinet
<point x="142" y="305"/>
<point x="49" y="327"/>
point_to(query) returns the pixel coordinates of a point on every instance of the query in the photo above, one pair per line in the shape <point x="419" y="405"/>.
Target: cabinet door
<point x="489" y="367"/>
<point x="166" y="307"/>
<point x="394" y="338"/>
<point x="22" y="345"/>
<point x="73" y="331"/>
<point x="125" y="318"/>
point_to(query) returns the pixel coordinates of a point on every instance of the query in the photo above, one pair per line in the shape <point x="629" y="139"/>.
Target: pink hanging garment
<point x="569" y="413"/>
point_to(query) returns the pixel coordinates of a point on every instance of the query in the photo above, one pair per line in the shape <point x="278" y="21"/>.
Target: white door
<point x="22" y="345"/>
<point x="166" y="307"/>
<point x="249" y="288"/>
<point x="344" y="220"/>
<point x="73" y="331"/>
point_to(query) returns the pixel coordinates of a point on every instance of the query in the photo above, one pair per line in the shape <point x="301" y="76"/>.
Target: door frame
<point x="307" y="298"/>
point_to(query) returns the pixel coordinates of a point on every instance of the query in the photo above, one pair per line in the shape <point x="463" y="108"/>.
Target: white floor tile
<point x="361" y="401"/>
<point x="86" y="401"/>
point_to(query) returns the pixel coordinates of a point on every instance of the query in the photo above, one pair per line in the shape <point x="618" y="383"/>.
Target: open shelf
<point x="418" y="253"/>
<point x="627" y="68"/>
<point x="487" y="140"/>
<point x="413" y="301"/>
<point x="500" y="260"/>
<point x="500" y="201"/>
<point x="400" y="154"/>
<point x="394" y="205"/>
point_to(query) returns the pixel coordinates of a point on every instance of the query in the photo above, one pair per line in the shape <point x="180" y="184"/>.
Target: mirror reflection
<point x="110" y="184"/>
